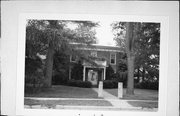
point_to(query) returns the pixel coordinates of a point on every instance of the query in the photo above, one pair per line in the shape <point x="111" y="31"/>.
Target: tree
<point x="109" y="73"/>
<point x="130" y="57"/>
<point x="147" y="55"/>
<point x="77" y="71"/>
<point x="51" y="35"/>
<point x="140" y="42"/>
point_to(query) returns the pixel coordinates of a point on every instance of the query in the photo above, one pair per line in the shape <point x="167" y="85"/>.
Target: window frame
<point x="93" y="54"/>
<point x="73" y="60"/>
<point x="114" y="58"/>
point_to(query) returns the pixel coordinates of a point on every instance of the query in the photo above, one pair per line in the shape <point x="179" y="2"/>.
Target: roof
<point x="97" y="47"/>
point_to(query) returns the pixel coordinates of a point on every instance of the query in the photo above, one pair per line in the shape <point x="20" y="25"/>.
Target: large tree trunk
<point x="130" y="57"/>
<point x="130" y="82"/>
<point x="49" y="67"/>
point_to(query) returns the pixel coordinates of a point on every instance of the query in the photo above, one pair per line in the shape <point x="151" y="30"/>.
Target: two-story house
<point x="102" y="56"/>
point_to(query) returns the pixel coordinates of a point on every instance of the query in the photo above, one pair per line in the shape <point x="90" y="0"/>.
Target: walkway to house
<point x="117" y="103"/>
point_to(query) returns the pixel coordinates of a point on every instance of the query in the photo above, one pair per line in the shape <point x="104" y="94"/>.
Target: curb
<point x="89" y="107"/>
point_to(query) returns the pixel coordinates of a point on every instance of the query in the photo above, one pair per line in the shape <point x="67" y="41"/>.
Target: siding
<point x="106" y="55"/>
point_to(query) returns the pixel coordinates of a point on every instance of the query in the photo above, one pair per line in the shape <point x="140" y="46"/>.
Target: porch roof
<point x="97" y="62"/>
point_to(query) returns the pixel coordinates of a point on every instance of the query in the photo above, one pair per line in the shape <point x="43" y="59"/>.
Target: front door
<point x="93" y="77"/>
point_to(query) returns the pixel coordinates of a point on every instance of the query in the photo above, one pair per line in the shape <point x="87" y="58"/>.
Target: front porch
<point x="93" y="73"/>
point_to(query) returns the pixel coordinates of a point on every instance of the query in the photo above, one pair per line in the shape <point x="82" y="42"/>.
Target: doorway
<point x="93" y="77"/>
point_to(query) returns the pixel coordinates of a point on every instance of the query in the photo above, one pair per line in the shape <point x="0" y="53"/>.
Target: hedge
<point x="79" y="83"/>
<point x="110" y="84"/>
<point x="59" y="80"/>
<point x="147" y="85"/>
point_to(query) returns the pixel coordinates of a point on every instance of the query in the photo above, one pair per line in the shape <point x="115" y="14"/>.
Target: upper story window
<point x="113" y="58"/>
<point x="94" y="53"/>
<point x="73" y="58"/>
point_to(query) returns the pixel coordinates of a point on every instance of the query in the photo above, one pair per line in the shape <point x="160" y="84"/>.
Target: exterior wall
<point x="118" y="57"/>
<point x="102" y="53"/>
<point x="106" y="55"/>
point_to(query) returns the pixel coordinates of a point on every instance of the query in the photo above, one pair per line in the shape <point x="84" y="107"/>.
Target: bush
<point x="109" y="73"/>
<point x="147" y="85"/>
<point x="120" y="77"/>
<point x="59" y="80"/>
<point x="77" y="71"/>
<point x="34" y="82"/>
<point x="33" y="75"/>
<point x="110" y="84"/>
<point x="32" y="65"/>
<point x="79" y="83"/>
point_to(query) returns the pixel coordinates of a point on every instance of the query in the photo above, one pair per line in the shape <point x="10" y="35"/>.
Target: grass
<point x="65" y="92"/>
<point x="139" y="94"/>
<point x="143" y="104"/>
<point x="51" y="103"/>
<point x="77" y="92"/>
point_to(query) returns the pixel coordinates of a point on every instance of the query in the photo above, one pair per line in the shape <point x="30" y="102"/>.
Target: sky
<point x="104" y="33"/>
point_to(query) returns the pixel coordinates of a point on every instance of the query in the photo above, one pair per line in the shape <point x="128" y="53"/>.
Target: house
<point x="100" y="57"/>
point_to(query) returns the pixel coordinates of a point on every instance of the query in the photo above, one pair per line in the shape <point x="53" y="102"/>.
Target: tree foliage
<point x="77" y="71"/>
<point x="146" y="45"/>
<point x="109" y="73"/>
<point x="45" y="37"/>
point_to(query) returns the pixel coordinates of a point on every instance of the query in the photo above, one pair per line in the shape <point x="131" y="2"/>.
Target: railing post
<point x="100" y="91"/>
<point x="120" y="90"/>
<point x="84" y="73"/>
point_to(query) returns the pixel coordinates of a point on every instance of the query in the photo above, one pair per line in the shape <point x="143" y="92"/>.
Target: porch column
<point x="104" y="73"/>
<point x="84" y="73"/>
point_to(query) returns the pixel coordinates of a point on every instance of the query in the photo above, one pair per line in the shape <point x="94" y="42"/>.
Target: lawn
<point x="66" y="92"/>
<point x="143" y="104"/>
<point x="91" y="97"/>
<point x="139" y="94"/>
<point x="61" y="91"/>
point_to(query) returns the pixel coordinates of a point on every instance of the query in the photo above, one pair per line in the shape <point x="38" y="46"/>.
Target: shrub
<point x="77" y="71"/>
<point x="109" y="73"/>
<point x="120" y="77"/>
<point x="32" y="65"/>
<point x="110" y="84"/>
<point x="148" y="85"/>
<point x="59" y="80"/>
<point x="79" y="83"/>
<point x="33" y="75"/>
<point x="34" y="82"/>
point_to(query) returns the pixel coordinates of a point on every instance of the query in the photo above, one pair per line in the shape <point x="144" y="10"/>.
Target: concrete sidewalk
<point x="117" y="103"/>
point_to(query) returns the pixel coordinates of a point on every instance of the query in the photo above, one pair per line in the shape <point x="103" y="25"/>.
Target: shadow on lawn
<point x="61" y="91"/>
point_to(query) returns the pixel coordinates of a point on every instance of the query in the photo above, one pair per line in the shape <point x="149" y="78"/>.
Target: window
<point x="94" y="53"/>
<point x="113" y="58"/>
<point x="73" y="58"/>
